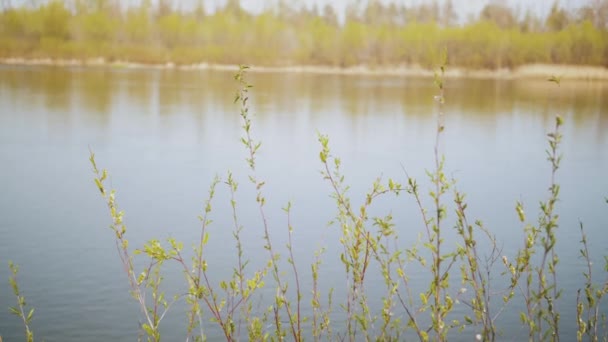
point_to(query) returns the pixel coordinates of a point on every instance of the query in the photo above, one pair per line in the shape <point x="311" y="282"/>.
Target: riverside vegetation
<point x="372" y="33"/>
<point x="463" y="274"/>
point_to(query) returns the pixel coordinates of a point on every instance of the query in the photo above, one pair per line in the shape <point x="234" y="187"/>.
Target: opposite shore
<point x="531" y="71"/>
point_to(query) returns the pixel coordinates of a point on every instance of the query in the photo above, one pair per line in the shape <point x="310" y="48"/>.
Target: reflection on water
<point x="161" y="92"/>
<point x="165" y="134"/>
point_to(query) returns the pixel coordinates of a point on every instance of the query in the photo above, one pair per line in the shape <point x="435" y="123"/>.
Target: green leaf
<point x="520" y="212"/>
<point x="30" y="315"/>
<point x="555" y="79"/>
<point x="523" y="317"/>
<point x="14" y="286"/>
<point x="15" y="311"/>
<point x="343" y="259"/>
<point x="99" y="185"/>
<point x="148" y="329"/>
<point x="423" y="298"/>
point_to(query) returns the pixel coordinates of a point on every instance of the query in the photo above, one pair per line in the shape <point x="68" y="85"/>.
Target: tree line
<point x="289" y="33"/>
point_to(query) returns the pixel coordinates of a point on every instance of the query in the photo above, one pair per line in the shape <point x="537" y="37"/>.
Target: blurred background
<point x="477" y="34"/>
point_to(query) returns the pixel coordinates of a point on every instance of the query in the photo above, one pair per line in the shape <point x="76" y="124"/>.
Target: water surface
<point x="164" y="135"/>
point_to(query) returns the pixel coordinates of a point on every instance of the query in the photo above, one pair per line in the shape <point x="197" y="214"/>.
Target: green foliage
<point x="557" y="19"/>
<point x="540" y="290"/>
<point x="590" y="320"/>
<point x="377" y="35"/>
<point x="20" y="310"/>
<point x="499" y="14"/>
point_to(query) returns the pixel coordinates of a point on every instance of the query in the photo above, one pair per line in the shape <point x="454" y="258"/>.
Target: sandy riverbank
<point x="533" y="71"/>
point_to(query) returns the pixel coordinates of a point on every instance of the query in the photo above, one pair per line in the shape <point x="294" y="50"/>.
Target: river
<point x="164" y="134"/>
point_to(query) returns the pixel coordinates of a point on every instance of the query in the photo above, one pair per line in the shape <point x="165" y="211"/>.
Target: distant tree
<point x="94" y="26"/>
<point x="425" y="12"/>
<point x="55" y="20"/>
<point x="403" y="14"/>
<point x="286" y="10"/>
<point x="352" y="13"/>
<point x="199" y="10"/>
<point x="80" y="7"/>
<point x="165" y="8"/>
<point x="233" y="7"/>
<point x="138" y="23"/>
<point x="378" y="14"/>
<point x="375" y="32"/>
<point x="448" y="14"/>
<point x="295" y="11"/>
<point x="601" y="13"/>
<point x="530" y="23"/>
<point x="557" y="19"/>
<point x="373" y="14"/>
<point x="329" y="15"/>
<point x="394" y="15"/>
<point x="596" y="12"/>
<point x="306" y="13"/>
<point x="586" y="13"/>
<point x="96" y="6"/>
<point x="499" y="14"/>
<point x="12" y="24"/>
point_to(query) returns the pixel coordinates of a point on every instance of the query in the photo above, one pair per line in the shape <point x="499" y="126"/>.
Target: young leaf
<point x="555" y="79"/>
